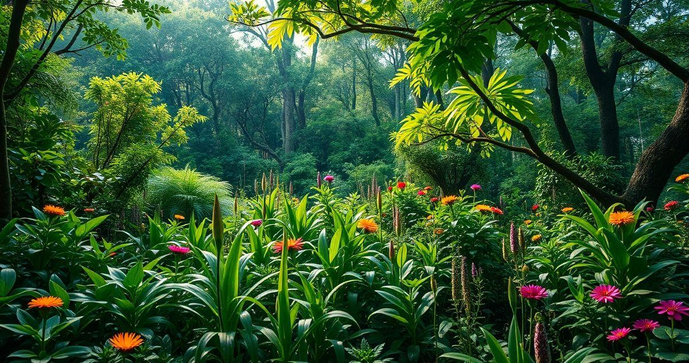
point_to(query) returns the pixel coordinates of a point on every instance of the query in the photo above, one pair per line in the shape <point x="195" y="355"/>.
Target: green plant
<point x="186" y="192"/>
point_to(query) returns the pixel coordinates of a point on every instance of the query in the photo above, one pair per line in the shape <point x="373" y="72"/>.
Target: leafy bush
<point x="184" y="192"/>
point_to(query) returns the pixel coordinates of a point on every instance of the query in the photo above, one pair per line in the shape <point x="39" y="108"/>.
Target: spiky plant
<point x="185" y="191"/>
<point x="367" y="354"/>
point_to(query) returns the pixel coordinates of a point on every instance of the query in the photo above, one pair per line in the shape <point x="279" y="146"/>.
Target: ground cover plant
<point x="406" y="275"/>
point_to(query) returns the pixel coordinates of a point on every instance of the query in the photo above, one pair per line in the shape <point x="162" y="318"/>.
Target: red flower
<point x="427" y="188"/>
<point x="618" y="334"/>
<point x="401" y="185"/>
<point x="645" y="325"/>
<point x="496" y="210"/>
<point x="673" y="309"/>
<point x="605" y="294"/>
<point x="533" y="292"/>
<point x="390" y="188"/>
<point x="671" y="205"/>
<point x="434" y="200"/>
<point x="292" y="244"/>
<point x="535" y="207"/>
<point x="421" y="192"/>
<point x="649" y="209"/>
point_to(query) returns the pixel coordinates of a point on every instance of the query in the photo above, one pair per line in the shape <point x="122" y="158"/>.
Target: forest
<point x="344" y="181"/>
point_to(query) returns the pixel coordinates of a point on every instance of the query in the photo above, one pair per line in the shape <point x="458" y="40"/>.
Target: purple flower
<point x="475" y="187"/>
<point x="474" y="270"/>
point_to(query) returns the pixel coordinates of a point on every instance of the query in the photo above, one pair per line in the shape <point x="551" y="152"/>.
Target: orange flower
<point x="536" y="238"/>
<point x="54" y="210"/>
<point x="567" y="209"/>
<point x="292" y="244"/>
<point x="89" y="210"/>
<point x="496" y="210"/>
<point x="682" y="178"/>
<point x="483" y="208"/>
<point x="429" y="217"/>
<point x="527" y="222"/>
<point x="126" y="341"/>
<point x="45" y="302"/>
<point x="179" y="217"/>
<point x="622" y="218"/>
<point x="438" y="231"/>
<point x="368" y="225"/>
<point x="449" y="200"/>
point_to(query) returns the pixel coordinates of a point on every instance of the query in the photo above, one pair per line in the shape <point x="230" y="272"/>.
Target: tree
<point x="128" y="132"/>
<point x="454" y="43"/>
<point x="40" y="27"/>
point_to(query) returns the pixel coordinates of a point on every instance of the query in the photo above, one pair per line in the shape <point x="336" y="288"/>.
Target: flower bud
<point x="218" y="225"/>
<point x="456" y="289"/>
<point x="513" y="239"/>
<point x="466" y="280"/>
<point x="541" y="348"/>
<point x="391" y="252"/>
<point x="522" y="240"/>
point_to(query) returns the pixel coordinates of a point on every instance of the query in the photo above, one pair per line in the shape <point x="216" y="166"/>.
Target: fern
<point x="185" y="192"/>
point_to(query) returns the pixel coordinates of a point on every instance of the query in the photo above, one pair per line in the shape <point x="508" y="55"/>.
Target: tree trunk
<point x="354" y="84"/>
<point x="553" y="91"/>
<point x="288" y="115"/>
<point x="603" y="82"/>
<point x="11" y="48"/>
<point x="658" y="161"/>
<point x="609" y="125"/>
<point x="374" y="100"/>
<point x="301" y="107"/>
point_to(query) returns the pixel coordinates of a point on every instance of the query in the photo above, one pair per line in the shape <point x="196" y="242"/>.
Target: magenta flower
<point x="646" y="325"/>
<point x="606" y="294"/>
<point x="475" y="187"/>
<point x="256" y="222"/>
<point x="179" y="249"/>
<point x="673" y="309"/>
<point x="329" y="178"/>
<point x="618" y="334"/>
<point x="533" y="292"/>
<point x="421" y="192"/>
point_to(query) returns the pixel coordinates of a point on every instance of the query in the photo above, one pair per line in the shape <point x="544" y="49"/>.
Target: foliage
<point x="184" y="192"/>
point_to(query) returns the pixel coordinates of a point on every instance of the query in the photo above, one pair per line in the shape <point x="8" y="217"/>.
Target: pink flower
<point x="606" y="294"/>
<point x="256" y="222"/>
<point x="421" y="192"/>
<point x="533" y="292"/>
<point x="475" y="187"/>
<point x="671" y="205"/>
<point x="329" y="178"/>
<point x="179" y="249"/>
<point x="673" y="309"/>
<point x="618" y="334"/>
<point x="645" y="325"/>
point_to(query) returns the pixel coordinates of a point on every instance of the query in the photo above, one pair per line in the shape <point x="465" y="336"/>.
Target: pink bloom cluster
<point x="178" y="249"/>
<point x="533" y="292"/>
